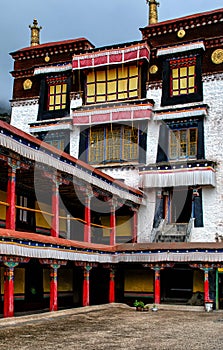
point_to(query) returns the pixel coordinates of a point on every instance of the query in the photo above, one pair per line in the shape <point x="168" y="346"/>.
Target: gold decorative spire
<point x="153" y="13"/>
<point x="34" y="33"/>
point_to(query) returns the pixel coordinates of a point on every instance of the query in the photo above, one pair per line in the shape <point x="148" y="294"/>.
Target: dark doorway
<point x="181" y="205"/>
<point x="177" y="284"/>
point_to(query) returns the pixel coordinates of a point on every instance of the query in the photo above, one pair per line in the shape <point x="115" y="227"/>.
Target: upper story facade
<point x="147" y="113"/>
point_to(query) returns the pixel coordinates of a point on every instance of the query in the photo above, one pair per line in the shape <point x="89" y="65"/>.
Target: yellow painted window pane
<point x="90" y="77"/>
<point x="122" y="85"/>
<point x="51" y="100"/>
<point x="101" y="88"/>
<point x="191" y="70"/>
<point x="57" y="107"/>
<point x="64" y="89"/>
<point x="101" y="76"/>
<point x="51" y="108"/>
<point x="91" y="90"/>
<point x="175" y="73"/>
<point x="183" y="83"/>
<point x="132" y="94"/>
<point x="183" y="71"/>
<point x="112" y="97"/>
<point x="63" y="99"/>
<point x="51" y="90"/>
<point x="191" y="90"/>
<point x="58" y="89"/>
<point x="133" y="70"/>
<point x="175" y="93"/>
<point x="175" y="84"/>
<point x="111" y="74"/>
<point x="133" y="83"/>
<point x="183" y="92"/>
<point x="122" y="95"/>
<point x="90" y="100"/>
<point x="57" y="100"/>
<point x="122" y="72"/>
<point x="101" y="98"/>
<point x="191" y="82"/>
<point x="111" y="86"/>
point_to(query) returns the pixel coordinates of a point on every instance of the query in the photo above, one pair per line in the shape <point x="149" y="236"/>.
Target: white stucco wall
<point x="23" y="113"/>
<point x="74" y="141"/>
<point x="146" y="216"/>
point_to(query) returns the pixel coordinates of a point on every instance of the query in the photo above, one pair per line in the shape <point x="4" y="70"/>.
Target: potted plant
<point x="154" y="307"/>
<point x="139" y="305"/>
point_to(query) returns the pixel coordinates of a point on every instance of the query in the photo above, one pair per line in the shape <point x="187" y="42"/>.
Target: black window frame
<point x="44" y="113"/>
<point x="197" y="96"/>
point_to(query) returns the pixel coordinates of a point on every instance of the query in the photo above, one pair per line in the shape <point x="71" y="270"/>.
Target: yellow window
<point x="175" y="73"/>
<point x="133" y="84"/>
<point x="101" y="76"/>
<point x="111" y="73"/>
<point x="111" y="87"/>
<point x="91" y="77"/>
<point x="91" y="90"/>
<point x="122" y="85"/>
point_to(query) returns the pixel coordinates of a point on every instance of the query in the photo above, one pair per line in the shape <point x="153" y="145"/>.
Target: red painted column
<point x="11" y="198"/>
<point x="86" y="285"/>
<point x="112" y="225"/>
<point x="53" y="287"/>
<point x="112" y="286"/>
<point x="87" y="219"/>
<point x="206" y="285"/>
<point x="9" y="289"/>
<point x="55" y="209"/>
<point x="157" y="286"/>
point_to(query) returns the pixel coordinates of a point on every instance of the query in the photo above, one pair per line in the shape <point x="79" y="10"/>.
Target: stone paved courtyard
<point x="114" y="327"/>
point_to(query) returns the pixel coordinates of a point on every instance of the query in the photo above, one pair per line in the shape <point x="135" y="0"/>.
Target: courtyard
<point x="114" y="326"/>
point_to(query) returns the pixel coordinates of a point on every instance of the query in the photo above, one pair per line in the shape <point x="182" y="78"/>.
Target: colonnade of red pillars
<point x="56" y="181"/>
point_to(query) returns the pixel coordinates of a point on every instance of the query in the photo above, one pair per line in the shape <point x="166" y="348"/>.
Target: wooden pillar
<point x="86" y="285"/>
<point x="113" y="223"/>
<point x="206" y="284"/>
<point x="157" y="285"/>
<point x="112" y="286"/>
<point x="9" y="288"/>
<point x="87" y="215"/>
<point x="11" y="196"/>
<point x="135" y="225"/>
<point x="55" y="225"/>
<point x="53" y="287"/>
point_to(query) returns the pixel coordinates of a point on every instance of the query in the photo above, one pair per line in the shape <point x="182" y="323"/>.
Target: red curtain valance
<point x="111" y="56"/>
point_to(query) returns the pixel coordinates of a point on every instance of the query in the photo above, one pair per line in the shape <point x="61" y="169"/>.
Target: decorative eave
<point x="174" y="112"/>
<point x="188" y="173"/>
<point x="112" y="114"/>
<point x="57" y="68"/>
<point x="34" y="245"/>
<point x="111" y="56"/>
<point x="187" y="22"/>
<point x="52" y="48"/>
<point x="170" y="50"/>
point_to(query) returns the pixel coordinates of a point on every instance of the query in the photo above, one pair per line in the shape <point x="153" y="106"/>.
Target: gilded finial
<point x="34" y="33"/>
<point x="153" y="12"/>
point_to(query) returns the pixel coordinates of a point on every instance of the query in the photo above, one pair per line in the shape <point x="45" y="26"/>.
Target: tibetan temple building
<point x="111" y="185"/>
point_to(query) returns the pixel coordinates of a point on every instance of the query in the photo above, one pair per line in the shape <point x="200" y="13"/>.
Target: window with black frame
<point x="113" y="144"/>
<point x="182" y="80"/>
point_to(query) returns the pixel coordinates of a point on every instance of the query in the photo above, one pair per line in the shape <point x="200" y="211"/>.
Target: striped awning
<point x="111" y="56"/>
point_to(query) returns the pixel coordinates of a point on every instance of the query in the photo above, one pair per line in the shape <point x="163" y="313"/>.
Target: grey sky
<point x="103" y="22"/>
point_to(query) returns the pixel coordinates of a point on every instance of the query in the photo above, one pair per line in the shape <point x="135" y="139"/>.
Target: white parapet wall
<point x="23" y="113"/>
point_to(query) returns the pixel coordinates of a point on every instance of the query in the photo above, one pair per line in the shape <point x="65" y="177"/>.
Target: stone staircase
<point x="172" y="233"/>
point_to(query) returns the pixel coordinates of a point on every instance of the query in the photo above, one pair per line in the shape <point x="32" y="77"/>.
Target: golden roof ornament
<point x="34" y="33"/>
<point x="153" y="12"/>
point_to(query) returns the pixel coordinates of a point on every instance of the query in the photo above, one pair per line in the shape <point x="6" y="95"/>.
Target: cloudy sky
<point x="103" y="22"/>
